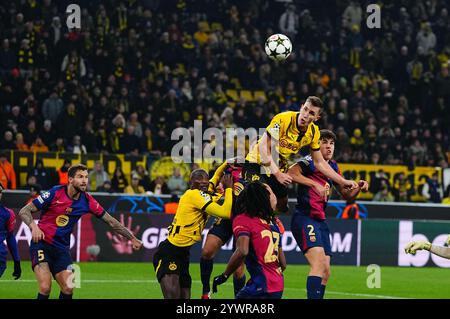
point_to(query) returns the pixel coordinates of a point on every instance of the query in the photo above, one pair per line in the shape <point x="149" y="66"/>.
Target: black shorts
<point x="172" y="260"/>
<point x="253" y="171"/>
<point x="58" y="259"/>
<point x="223" y="229"/>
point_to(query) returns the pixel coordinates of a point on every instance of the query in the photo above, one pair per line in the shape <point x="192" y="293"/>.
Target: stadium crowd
<point x="139" y="69"/>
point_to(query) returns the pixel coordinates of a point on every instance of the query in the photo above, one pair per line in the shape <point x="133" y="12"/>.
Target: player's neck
<point x="302" y="128"/>
<point x="72" y="192"/>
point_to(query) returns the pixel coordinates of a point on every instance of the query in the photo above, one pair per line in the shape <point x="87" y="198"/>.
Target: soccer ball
<point x="278" y="47"/>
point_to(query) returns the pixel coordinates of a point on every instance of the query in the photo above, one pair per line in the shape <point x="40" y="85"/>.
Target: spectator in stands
<point x="63" y="172"/>
<point x="42" y="174"/>
<point x="105" y="188"/>
<point x="402" y="188"/>
<point x="352" y="15"/>
<point x="52" y="107"/>
<point x="7" y="173"/>
<point x="176" y="183"/>
<point x="432" y="189"/>
<point x="119" y="182"/>
<point x="77" y="147"/>
<point x="97" y="176"/>
<point x="7" y="142"/>
<point x="47" y="133"/>
<point x="134" y="187"/>
<point x="144" y="178"/>
<point x="20" y="143"/>
<point x="158" y="186"/>
<point x="383" y="195"/>
<point x="39" y="146"/>
<point x="289" y="22"/>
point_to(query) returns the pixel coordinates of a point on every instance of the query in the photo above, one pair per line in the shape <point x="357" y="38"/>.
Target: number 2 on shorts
<point x="311" y="230"/>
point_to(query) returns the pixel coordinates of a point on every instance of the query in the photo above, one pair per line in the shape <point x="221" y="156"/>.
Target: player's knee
<point x="208" y="253"/>
<point x="45" y="288"/>
<point x="67" y="290"/>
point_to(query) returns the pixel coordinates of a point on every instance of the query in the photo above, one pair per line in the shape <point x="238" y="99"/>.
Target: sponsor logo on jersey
<point x="62" y="220"/>
<point x="173" y="266"/>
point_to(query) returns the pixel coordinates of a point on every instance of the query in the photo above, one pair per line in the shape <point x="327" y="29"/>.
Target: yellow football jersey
<point x="284" y="128"/>
<point x="194" y="209"/>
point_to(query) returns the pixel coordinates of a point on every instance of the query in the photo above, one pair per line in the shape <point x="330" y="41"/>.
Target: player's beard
<point x="78" y="189"/>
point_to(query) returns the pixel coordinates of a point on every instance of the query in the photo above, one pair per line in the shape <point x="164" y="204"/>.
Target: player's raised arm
<point x="217" y="176"/>
<point x="224" y="210"/>
<point x="267" y="160"/>
<point x="120" y="229"/>
<point x="25" y="215"/>
<point x="296" y="172"/>
<point x="324" y="168"/>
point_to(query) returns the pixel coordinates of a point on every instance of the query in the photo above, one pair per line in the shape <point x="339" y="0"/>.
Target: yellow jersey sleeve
<point x="224" y="210"/>
<point x="315" y="139"/>
<point x="200" y="200"/>
<point x="217" y="176"/>
<point x="275" y="127"/>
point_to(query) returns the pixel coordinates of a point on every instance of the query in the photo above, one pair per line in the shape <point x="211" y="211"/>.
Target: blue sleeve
<point x="44" y="200"/>
<point x="12" y="246"/>
<point x="307" y="165"/>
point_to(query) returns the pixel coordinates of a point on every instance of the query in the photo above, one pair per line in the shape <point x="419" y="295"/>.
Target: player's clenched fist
<point x="414" y="246"/>
<point x="137" y="244"/>
<point x="37" y="234"/>
<point x="218" y="280"/>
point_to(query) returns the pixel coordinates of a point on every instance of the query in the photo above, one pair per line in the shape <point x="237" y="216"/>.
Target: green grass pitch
<point x="137" y="281"/>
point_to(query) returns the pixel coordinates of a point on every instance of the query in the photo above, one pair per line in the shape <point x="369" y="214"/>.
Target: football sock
<point x="313" y="288"/>
<point x="322" y="291"/>
<point x="238" y="284"/>
<point x="206" y="268"/>
<point x="64" y="296"/>
<point x="42" y="297"/>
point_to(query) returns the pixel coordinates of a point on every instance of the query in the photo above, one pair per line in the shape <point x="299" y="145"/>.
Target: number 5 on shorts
<point x="41" y="256"/>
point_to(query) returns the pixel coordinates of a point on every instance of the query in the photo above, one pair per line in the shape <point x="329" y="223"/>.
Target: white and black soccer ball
<point x="278" y="47"/>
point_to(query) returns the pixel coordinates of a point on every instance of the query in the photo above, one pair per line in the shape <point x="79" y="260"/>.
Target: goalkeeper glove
<point x="414" y="246"/>
<point x="218" y="280"/>
<point x="17" y="270"/>
<point x="447" y="242"/>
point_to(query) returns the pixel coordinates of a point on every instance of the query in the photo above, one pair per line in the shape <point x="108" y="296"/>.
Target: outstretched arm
<point x="120" y="229"/>
<point x="351" y="194"/>
<point x="325" y="168"/>
<point x="296" y="172"/>
<point x="26" y="215"/>
<point x="414" y="246"/>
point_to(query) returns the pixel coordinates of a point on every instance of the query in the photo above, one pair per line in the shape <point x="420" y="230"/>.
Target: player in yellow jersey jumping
<point x="171" y="261"/>
<point x="286" y="134"/>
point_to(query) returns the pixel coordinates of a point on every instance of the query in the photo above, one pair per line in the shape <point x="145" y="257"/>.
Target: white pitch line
<point x="106" y="281"/>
